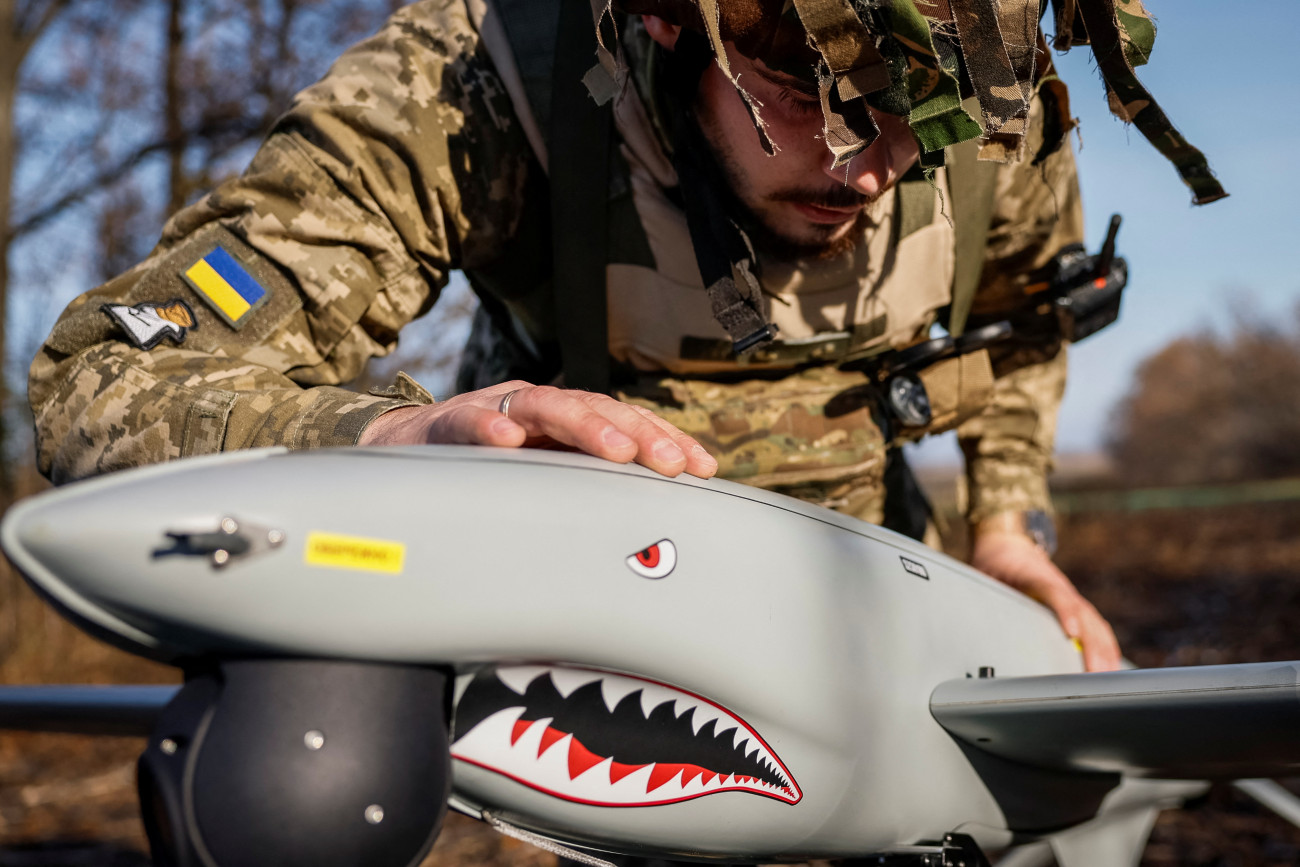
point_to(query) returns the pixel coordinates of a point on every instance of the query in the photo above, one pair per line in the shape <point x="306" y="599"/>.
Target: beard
<point x="836" y="239"/>
<point x="817" y="241"/>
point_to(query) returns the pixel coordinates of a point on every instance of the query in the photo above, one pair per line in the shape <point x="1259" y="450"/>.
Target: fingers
<point x="592" y="423"/>
<point x="1100" y="647"/>
<point x="1081" y="621"/>
<point x="1015" y="560"/>
<point x="607" y="428"/>
<point x="646" y="427"/>
<point x="469" y="424"/>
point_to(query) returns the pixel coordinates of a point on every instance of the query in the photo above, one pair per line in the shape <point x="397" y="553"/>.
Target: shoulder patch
<point x="164" y="277"/>
<point x="226" y="286"/>
<point x="146" y="324"/>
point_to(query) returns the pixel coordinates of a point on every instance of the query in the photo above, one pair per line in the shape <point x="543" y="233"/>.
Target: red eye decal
<point x="656" y="561"/>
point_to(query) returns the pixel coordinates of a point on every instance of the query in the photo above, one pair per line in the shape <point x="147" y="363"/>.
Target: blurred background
<point x="1178" y="483"/>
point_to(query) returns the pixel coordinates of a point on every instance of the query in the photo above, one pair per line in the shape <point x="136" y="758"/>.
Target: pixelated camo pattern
<point x="404" y="162"/>
<point x="780" y="435"/>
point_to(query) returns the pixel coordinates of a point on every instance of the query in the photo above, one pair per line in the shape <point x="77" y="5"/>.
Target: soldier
<point x="733" y="239"/>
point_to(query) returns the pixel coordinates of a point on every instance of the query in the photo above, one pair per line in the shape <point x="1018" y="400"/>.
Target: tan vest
<point x="879" y="294"/>
<point x="809" y="432"/>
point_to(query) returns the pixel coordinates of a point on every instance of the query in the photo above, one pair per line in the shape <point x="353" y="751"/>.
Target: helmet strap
<point x="723" y="251"/>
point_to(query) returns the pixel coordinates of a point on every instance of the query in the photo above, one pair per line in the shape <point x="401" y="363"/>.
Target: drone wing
<point x="101" y="710"/>
<point x="1204" y="722"/>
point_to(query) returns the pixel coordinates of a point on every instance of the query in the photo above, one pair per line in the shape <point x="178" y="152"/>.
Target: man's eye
<point x="799" y="103"/>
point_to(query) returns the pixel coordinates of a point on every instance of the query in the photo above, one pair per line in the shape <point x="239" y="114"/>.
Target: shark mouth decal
<point x="611" y="740"/>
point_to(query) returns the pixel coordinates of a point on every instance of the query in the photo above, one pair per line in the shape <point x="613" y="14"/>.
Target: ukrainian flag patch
<point x="226" y="287"/>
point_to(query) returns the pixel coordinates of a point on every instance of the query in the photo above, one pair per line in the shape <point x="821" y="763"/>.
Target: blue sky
<point x="1226" y="74"/>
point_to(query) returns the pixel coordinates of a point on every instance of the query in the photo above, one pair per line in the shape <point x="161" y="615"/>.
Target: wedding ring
<point x="504" y="407"/>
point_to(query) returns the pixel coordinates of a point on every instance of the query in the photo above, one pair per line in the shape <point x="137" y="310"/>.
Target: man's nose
<point x="866" y="173"/>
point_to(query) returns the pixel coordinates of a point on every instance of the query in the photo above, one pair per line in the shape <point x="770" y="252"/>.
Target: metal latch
<point x="232" y="540"/>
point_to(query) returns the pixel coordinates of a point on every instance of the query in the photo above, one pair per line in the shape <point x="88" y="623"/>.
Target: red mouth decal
<point x="611" y="740"/>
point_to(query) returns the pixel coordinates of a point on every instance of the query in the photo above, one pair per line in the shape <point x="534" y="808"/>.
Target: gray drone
<point x="602" y="661"/>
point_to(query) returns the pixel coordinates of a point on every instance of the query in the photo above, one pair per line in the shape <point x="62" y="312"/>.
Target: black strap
<point x="722" y="249"/>
<point x="581" y="136"/>
<point x="721" y="252"/>
<point x="907" y="510"/>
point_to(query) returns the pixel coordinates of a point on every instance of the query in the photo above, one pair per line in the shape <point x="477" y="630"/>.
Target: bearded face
<point x="795" y="197"/>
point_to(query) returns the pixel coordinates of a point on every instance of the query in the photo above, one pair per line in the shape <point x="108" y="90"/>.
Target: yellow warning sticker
<point x="354" y="552"/>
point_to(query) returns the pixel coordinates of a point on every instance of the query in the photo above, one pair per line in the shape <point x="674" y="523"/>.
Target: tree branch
<point x="108" y="176"/>
<point x="28" y="36"/>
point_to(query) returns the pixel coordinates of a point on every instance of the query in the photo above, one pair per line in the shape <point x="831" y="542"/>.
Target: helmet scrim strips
<point x="936" y="117"/>
<point x="1122" y="35"/>
<point x="851" y="67"/>
<point x="713" y="29"/>
<point x="910" y="58"/>
<point x="1003" y="87"/>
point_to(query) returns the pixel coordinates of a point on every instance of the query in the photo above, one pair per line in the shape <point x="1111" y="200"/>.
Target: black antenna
<point x="1107" y="254"/>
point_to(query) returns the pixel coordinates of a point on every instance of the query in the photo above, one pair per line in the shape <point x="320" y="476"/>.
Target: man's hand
<point x="1014" y="559"/>
<point x="542" y="416"/>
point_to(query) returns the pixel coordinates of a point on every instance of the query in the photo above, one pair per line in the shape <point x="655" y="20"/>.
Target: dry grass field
<point x="1199" y="587"/>
<point x="1186" y="587"/>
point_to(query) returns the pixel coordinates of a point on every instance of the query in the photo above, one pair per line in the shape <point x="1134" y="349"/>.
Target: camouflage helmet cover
<point x="758" y="28"/>
<point x="915" y="58"/>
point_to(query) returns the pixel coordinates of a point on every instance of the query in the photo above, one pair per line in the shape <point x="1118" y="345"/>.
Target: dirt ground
<point x="1203" y="587"/>
<point x="1181" y="588"/>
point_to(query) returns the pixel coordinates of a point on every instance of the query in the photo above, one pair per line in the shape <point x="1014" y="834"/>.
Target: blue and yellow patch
<point x="226" y="287"/>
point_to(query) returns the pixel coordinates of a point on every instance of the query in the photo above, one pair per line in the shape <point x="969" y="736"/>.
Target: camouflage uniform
<point x="408" y="160"/>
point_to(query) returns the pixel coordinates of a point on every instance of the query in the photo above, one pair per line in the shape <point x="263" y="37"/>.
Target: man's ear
<point x="661" y="31"/>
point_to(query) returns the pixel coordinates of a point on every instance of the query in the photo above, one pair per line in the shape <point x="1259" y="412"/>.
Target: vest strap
<point x="971" y="184"/>
<point x="581" y="136"/>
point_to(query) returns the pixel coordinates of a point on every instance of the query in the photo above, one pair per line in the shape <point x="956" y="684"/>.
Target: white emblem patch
<point x="147" y="324"/>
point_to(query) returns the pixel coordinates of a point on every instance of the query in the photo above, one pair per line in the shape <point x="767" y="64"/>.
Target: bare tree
<point x="115" y="113"/>
<point x="22" y="22"/>
<point x="223" y="71"/>
<point x="1212" y="408"/>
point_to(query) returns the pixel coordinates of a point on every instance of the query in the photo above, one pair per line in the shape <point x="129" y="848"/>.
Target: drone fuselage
<point x="568" y="594"/>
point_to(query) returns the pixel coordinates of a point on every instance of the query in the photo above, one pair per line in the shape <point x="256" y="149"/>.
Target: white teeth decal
<point x="567" y="680"/>
<point x="588" y="750"/>
<point x="703" y="714"/>
<point x="614" y="690"/>
<point x="653" y="695"/>
<point x="517" y="677"/>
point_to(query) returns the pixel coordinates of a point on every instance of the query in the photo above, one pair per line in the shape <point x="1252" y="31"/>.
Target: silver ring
<point x="504" y="407"/>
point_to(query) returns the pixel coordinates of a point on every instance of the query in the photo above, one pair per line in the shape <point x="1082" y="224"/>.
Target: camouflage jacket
<point x="406" y="161"/>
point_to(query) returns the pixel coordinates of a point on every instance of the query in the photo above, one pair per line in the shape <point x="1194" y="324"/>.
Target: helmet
<point x="921" y="58"/>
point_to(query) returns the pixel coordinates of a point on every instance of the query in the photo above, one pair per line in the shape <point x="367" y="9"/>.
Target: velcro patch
<point x="226" y="286"/>
<point x="165" y="278"/>
<point x="146" y="324"/>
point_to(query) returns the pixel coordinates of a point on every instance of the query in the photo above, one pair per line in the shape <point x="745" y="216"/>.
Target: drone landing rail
<point x="1217" y="721"/>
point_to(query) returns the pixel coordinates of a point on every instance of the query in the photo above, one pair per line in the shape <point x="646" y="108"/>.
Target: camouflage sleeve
<point x="1008" y="447"/>
<point x="405" y="161"/>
